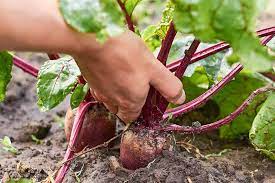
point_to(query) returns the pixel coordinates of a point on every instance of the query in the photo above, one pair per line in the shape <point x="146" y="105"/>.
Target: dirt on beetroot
<point x="198" y="159"/>
<point x="20" y="118"/>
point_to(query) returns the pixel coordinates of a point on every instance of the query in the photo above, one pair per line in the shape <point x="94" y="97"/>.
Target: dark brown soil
<point x="20" y="118"/>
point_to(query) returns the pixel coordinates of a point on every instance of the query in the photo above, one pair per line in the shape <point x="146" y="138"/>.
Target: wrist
<point x="83" y="44"/>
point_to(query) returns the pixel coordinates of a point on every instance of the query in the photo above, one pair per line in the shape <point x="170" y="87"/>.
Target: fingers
<point x="93" y="94"/>
<point x="112" y="108"/>
<point x="126" y="110"/>
<point x="162" y="79"/>
<point x="167" y="84"/>
<point x="100" y="98"/>
<point x="128" y="116"/>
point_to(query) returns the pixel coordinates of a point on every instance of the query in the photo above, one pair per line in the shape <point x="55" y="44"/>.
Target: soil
<point x="20" y="118"/>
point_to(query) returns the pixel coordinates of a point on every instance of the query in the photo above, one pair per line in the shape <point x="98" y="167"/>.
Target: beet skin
<point x="99" y="126"/>
<point x="138" y="148"/>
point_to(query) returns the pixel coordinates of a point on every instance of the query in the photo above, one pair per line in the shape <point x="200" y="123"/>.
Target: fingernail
<point x="180" y="99"/>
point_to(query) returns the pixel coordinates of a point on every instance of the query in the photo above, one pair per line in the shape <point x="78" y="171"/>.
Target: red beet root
<point x="137" y="149"/>
<point x="99" y="126"/>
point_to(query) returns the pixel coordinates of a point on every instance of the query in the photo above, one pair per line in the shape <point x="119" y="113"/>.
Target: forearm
<point x="33" y="25"/>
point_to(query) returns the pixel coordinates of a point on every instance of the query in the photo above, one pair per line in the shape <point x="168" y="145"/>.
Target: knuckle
<point x="127" y="114"/>
<point x="128" y="117"/>
<point x="127" y="105"/>
<point x="101" y="97"/>
<point x="123" y="117"/>
<point x="134" y="115"/>
<point x="138" y="98"/>
<point x="139" y="92"/>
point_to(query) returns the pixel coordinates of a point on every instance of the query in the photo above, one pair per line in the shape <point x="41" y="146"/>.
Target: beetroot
<point x="98" y="126"/>
<point x="91" y="126"/>
<point x="138" y="148"/>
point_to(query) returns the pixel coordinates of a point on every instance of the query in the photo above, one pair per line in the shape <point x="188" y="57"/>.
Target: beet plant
<point x="187" y="41"/>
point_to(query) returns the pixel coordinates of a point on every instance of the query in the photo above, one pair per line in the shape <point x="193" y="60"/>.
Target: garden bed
<point x="200" y="158"/>
<point x="238" y="162"/>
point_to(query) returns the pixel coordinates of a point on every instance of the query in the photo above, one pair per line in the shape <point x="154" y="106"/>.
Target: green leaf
<point x="82" y="15"/>
<point x="192" y="86"/>
<point x="36" y="140"/>
<point x="199" y="76"/>
<point x="262" y="133"/>
<point x="56" y="79"/>
<point x="154" y="34"/>
<point x="79" y="95"/>
<point x="192" y="89"/>
<point x="227" y="20"/>
<point x="214" y="68"/>
<point x="150" y="37"/>
<point x="229" y="98"/>
<point x="147" y="12"/>
<point x="178" y="48"/>
<point x="5" y="70"/>
<point x="21" y="180"/>
<point x="130" y="5"/>
<point x="7" y="145"/>
<point x="102" y="17"/>
<point x="232" y="96"/>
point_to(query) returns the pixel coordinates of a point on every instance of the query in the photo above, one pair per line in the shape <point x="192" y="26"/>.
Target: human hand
<point x="120" y="73"/>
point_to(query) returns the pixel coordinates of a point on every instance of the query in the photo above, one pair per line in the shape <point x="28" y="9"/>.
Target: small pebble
<point x="48" y="143"/>
<point x="35" y="153"/>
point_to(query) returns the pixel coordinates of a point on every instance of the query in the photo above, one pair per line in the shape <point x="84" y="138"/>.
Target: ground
<point x="20" y="118"/>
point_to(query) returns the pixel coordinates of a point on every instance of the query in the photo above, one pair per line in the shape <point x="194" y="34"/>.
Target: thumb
<point x="169" y="86"/>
